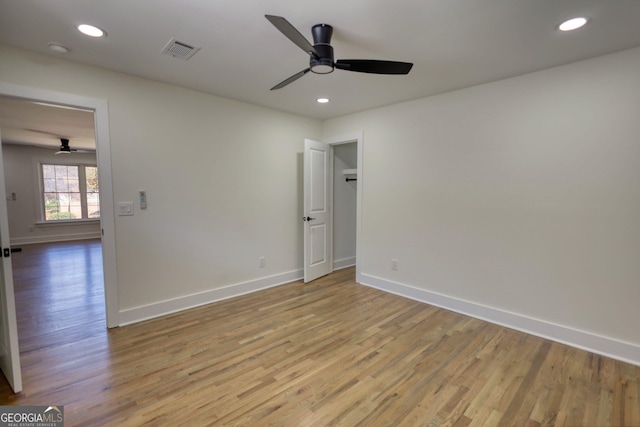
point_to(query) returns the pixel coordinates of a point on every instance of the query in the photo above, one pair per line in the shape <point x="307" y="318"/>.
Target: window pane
<point x="94" y="210"/>
<point x="49" y="185"/>
<point x="63" y="202"/>
<point x="52" y="206"/>
<point x="72" y="172"/>
<point x="75" y="208"/>
<point x="74" y="199"/>
<point x="48" y="171"/>
<point x="74" y="186"/>
<point x="51" y="202"/>
<point x="62" y="185"/>
<point x="91" y="173"/>
<point x="69" y="206"/>
<point x="93" y="199"/>
<point x="93" y="205"/>
<point x="61" y="171"/>
<point x="73" y="179"/>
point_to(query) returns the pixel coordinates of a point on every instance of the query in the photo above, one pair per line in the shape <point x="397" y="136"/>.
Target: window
<point x="70" y="192"/>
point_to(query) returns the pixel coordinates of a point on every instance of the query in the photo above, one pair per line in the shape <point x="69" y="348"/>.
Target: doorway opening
<point x="358" y="140"/>
<point x="53" y="198"/>
<point x="103" y="157"/>
<point x="345" y="165"/>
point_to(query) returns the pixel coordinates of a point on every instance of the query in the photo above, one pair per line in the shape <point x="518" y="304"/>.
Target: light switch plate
<point x="125" y="208"/>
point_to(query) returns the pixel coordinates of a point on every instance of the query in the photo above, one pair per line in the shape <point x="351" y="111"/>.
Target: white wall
<point x="20" y="167"/>
<point x="344" y="205"/>
<point x="222" y="180"/>
<point x="517" y="201"/>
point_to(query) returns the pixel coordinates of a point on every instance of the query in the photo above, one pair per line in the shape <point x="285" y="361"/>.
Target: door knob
<point x="307" y="218"/>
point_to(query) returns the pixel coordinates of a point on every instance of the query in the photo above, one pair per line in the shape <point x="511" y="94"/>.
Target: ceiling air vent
<point x="179" y="50"/>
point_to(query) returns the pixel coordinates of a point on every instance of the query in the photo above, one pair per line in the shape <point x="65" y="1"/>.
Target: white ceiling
<point x="453" y="43"/>
<point x="30" y="123"/>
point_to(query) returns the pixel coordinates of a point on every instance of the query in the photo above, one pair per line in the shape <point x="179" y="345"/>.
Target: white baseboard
<point x="619" y="350"/>
<point x="162" y="308"/>
<point x="54" y="238"/>
<point x="339" y="264"/>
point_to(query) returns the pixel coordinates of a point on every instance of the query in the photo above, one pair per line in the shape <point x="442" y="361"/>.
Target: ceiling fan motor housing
<point x="64" y="145"/>
<point x="321" y="42"/>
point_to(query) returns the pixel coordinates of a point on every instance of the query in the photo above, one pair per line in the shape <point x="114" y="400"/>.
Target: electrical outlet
<point x="262" y="262"/>
<point x="394" y="264"/>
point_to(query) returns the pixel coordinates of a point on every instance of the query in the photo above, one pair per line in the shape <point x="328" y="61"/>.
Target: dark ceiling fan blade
<point x="292" y="34"/>
<point x="291" y="79"/>
<point x="373" y="66"/>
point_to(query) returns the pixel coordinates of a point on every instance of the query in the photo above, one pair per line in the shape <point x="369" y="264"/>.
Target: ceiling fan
<point x="321" y="54"/>
<point x="66" y="149"/>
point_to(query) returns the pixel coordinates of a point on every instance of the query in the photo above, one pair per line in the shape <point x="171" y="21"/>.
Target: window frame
<point x="81" y="164"/>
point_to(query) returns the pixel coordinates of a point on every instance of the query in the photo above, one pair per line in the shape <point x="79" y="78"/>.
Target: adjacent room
<point x="210" y="217"/>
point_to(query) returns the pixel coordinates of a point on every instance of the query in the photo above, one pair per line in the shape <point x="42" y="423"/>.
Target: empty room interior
<point x="209" y="217"/>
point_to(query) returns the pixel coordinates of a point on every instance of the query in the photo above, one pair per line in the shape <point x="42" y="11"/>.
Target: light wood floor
<point x="327" y="353"/>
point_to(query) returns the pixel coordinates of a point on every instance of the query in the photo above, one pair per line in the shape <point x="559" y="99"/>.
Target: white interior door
<point x="9" y="352"/>
<point x="318" y="197"/>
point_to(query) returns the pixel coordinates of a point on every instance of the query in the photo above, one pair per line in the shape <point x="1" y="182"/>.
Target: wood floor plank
<point x="327" y="353"/>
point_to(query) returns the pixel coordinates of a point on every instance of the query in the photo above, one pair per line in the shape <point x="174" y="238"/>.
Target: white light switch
<point x="125" y="208"/>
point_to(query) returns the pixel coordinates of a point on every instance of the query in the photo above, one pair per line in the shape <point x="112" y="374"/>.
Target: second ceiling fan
<point x="321" y="54"/>
<point x="65" y="148"/>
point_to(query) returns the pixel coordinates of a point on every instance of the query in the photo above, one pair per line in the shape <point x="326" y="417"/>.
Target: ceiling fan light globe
<point x="322" y="68"/>
<point x="324" y="63"/>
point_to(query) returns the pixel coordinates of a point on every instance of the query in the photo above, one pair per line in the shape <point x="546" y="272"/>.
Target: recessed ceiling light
<point x="58" y="48"/>
<point x="91" y="31"/>
<point x="322" y="100"/>
<point x="573" y="24"/>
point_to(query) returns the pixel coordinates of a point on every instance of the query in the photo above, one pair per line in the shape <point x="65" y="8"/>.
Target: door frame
<point x="358" y="139"/>
<point x="100" y="108"/>
<point x="10" y="357"/>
